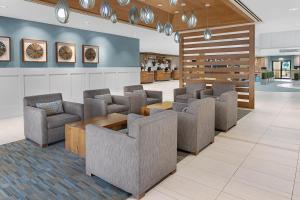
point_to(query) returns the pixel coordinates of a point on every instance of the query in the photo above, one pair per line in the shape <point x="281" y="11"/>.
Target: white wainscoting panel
<point x="15" y="83"/>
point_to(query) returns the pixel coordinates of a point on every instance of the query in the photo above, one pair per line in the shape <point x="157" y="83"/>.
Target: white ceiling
<point x="150" y="40"/>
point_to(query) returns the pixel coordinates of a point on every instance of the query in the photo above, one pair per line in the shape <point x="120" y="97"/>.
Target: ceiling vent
<point x="247" y="10"/>
<point x="289" y="50"/>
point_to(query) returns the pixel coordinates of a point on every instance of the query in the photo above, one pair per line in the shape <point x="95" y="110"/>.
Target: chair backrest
<point x="131" y="88"/>
<point x="33" y="100"/>
<point x="231" y="98"/>
<point x="93" y="93"/>
<point x="191" y="87"/>
<point x="220" y="88"/>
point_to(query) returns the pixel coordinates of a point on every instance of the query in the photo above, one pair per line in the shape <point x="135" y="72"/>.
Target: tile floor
<point x="256" y="160"/>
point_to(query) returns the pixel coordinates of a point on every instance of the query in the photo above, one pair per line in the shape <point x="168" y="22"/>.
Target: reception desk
<point x="161" y="75"/>
<point x="147" y="77"/>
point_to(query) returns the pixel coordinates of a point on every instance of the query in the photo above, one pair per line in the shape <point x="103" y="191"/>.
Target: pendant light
<point x="184" y="18"/>
<point x="123" y="2"/>
<point x="192" y="22"/>
<point x="159" y="27"/>
<point x="177" y="37"/>
<point x="113" y="17"/>
<point x="147" y="15"/>
<point x="173" y="2"/>
<point x="207" y="33"/>
<point x="87" y="4"/>
<point x="105" y="9"/>
<point x="62" y="11"/>
<point x="133" y="15"/>
<point x="168" y="28"/>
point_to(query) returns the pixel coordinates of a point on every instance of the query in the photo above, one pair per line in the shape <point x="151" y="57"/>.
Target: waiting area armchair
<point x="135" y="161"/>
<point x="226" y="110"/>
<point x="45" y="117"/>
<point x="140" y="97"/>
<point x="100" y="102"/>
<point x="190" y="91"/>
<point x="196" y="124"/>
<point x="217" y="89"/>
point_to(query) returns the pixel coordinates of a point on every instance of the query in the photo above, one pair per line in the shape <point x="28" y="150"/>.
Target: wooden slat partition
<point x="228" y="57"/>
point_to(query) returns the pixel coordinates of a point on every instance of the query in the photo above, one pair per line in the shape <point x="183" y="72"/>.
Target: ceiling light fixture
<point x="87" y="4"/>
<point x="114" y="18"/>
<point x="105" y="9"/>
<point x="159" y="27"/>
<point x="160" y="5"/>
<point x="133" y="15"/>
<point x="192" y="22"/>
<point x="168" y="29"/>
<point x="293" y="9"/>
<point x="147" y="15"/>
<point x="173" y="2"/>
<point x="207" y="33"/>
<point x="183" y="4"/>
<point x="123" y="2"/>
<point x="177" y="37"/>
<point x="62" y="11"/>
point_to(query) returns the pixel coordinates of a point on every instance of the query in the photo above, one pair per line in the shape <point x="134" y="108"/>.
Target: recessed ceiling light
<point x="207" y="5"/>
<point x="159" y="5"/>
<point x="3" y="6"/>
<point x="176" y="12"/>
<point x="183" y="4"/>
<point x="293" y="9"/>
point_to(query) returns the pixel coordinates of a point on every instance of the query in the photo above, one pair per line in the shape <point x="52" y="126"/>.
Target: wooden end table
<point x="166" y="105"/>
<point x="75" y="132"/>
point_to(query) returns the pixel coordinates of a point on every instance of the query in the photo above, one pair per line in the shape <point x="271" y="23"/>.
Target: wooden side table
<point x="166" y="105"/>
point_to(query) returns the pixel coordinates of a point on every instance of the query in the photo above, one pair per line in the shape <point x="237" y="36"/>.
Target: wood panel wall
<point x="228" y="57"/>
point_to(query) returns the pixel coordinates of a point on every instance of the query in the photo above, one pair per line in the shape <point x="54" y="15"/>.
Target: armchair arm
<point x="121" y="100"/>
<point x="73" y="108"/>
<point x="197" y="94"/>
<point x="206" y="93"/>
<point x="179" y="91"/>
<point x="94" y="108"/>
<point x="109" y="153"/>
<point x="35" y="125"/>
<point x="178" y="107"/>
<point x="154" y="94"/>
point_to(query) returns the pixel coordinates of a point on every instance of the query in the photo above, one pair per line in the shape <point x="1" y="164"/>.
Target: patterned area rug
<point x="30" y="172"/>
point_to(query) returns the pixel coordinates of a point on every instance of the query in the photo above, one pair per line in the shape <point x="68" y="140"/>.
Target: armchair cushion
<point x="59" y="120"/>
<point x="116" y="108"/>
<point x="51" y="108"/>
<point x="106" y="97"/>
<point x="152" y="101"/>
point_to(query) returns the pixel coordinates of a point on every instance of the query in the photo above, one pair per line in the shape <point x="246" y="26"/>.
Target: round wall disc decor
<point x="65" y="53"/>
<point x="2" y="48"/>
<point x="90" y="54"/>
<point x="35" y="51"/>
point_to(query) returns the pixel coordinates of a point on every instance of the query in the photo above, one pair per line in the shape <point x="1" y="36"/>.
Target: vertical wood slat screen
<point x="228" y="57"/>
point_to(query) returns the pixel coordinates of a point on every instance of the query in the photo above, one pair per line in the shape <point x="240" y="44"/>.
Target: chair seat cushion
<point x="59" y="120"/>
<point x="152" y="101"/>
<point x="116" y="108"/>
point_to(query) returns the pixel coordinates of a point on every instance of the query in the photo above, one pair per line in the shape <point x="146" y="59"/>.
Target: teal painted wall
<point x="114" y="51"/>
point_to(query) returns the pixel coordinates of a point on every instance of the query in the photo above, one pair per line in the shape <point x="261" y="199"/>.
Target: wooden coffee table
<point x="166" y="105"/>
<point x="75" y="132"/>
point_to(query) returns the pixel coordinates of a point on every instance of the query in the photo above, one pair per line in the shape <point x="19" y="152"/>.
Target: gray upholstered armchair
<point x="100" y="102"/>
<point x="226" y="110"/>
<point x="44" y="128"/>
<point x="191" y="91"/>
<point x="135" y="161"/>
<point x="217" y="89"/>
<point x="196" y="124"/>
<point x="140" y="97"/>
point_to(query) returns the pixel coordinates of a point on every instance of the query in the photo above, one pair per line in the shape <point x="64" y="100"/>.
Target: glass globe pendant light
<point x="168" y="29"/>
<point x="177" y="37"/>
<point x="207" y="33"/>
<point x="87" y="4"/>
<point x="62" y="11"/>
<point x="184" y="18"/>
<point x="114" y="18"/>
<point x="192" y="22"/>
<point x="159" y="27"/>
<point x="147" y="15"/>
<point x="123" y="2"/>
<point x="133" y="15"/>
<point x="105" y="9"/>
<point x="173" y="2"/>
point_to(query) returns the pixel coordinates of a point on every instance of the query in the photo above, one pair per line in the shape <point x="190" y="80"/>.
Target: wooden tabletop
<point x="166" y="105"/>
<point x="109" y="121"/>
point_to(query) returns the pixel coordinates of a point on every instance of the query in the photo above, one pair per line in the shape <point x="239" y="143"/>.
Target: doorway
<point x="282" y="69"/>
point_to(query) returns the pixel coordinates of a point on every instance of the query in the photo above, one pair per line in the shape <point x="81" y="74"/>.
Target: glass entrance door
<point x="286" y="69"/>
<point x="282" y="69"/>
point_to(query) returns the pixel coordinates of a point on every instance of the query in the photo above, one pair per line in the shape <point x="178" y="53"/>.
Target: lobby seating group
<point x="138" y="157"/>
